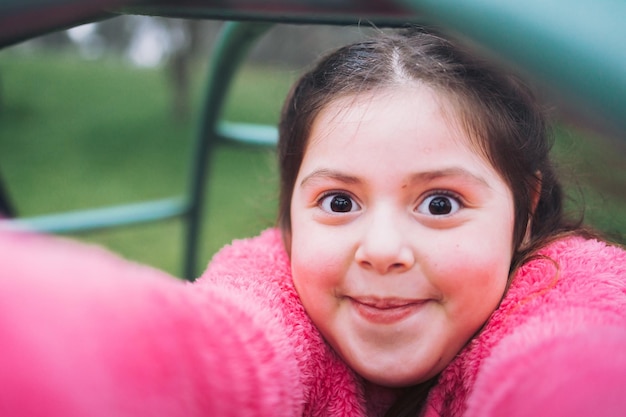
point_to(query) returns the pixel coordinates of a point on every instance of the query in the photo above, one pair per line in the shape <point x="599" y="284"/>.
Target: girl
<point x="422" y="266"/>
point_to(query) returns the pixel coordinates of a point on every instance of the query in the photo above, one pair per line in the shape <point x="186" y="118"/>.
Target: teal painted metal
<point x="122" y="215"/>
<point x="248" y="133"/>
<point x="232" y="47"/>
<point x="575" y="48"/>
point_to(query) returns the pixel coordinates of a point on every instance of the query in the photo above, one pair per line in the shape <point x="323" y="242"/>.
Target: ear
<point x="535" y="194"/>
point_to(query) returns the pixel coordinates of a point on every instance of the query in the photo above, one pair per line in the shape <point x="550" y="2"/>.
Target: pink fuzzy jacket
<point x="556" y="346"/>
<point x="85" y="333"/>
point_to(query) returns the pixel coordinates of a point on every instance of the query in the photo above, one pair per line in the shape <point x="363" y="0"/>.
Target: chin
<point x="391" y="379"/>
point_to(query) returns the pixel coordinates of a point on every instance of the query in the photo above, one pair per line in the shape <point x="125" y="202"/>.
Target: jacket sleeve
<point x="567" y="355"/>
<point x="84" y="332"/>
<point x="578" y="374"/>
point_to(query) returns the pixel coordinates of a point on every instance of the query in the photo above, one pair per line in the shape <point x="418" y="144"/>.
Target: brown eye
<point x="338" y="203"/>
<point x="439" y="205"/>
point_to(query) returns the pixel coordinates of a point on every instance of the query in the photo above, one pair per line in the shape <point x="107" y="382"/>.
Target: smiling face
<point x="401" y="235"/>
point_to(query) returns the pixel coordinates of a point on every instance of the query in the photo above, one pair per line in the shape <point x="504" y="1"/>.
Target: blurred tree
<point x="185" y="47"/>
<point x="178" y="44"/>
<point x="116" y="33"/>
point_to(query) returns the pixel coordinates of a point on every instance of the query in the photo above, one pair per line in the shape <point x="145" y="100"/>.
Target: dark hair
<point x="499" y="113"/>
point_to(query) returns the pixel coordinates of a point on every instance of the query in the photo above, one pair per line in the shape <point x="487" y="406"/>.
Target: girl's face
<point x="401" y="234"/>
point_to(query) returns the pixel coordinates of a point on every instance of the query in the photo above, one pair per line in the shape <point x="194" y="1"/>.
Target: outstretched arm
<point x="582" y="374"/>
<point x="566" y="352"/>
<point x="83" y="332"/>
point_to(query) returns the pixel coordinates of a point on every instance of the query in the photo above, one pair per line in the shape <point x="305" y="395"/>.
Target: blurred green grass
<point x="82" y="134"/>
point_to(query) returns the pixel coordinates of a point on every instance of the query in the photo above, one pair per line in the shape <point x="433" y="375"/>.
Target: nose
<point x="385" y="245"/>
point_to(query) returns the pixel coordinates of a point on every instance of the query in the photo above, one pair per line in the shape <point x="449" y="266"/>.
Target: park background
<point x="107" y="113"/>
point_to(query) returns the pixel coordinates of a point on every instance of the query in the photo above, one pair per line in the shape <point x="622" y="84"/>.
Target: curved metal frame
<point x="231" y="49"/>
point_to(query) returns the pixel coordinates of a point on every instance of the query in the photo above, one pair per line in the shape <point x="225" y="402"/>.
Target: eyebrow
<point x="448" y="172"/>
<point x="329" y="174"/>
<point x="426" y="176"/>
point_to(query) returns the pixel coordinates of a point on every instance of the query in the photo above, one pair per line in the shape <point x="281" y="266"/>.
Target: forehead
<point x="393" y="114"/>
<point x="395" y="133"/>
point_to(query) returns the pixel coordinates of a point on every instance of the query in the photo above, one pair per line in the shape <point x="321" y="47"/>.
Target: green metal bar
<point x="79" y="221"/>
<point x="232" y="47"/>
<point x="573" y="49"/>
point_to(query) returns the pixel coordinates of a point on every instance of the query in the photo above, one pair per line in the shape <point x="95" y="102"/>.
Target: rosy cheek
<point x="472" y="277"/>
